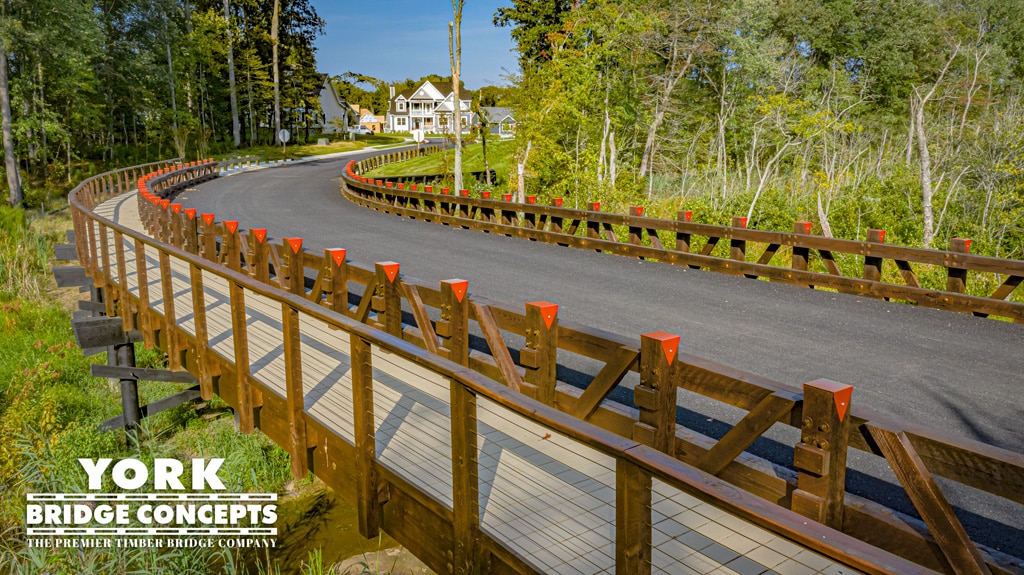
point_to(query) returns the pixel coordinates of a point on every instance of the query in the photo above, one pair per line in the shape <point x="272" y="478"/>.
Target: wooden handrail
<point x="578" y="339"/>
<point x="650" y="237"/>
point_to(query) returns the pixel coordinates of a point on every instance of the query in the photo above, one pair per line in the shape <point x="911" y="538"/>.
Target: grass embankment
<point x="305" y="150"/>
<point x="499" y="158"/>
<point x="50" y="408"/>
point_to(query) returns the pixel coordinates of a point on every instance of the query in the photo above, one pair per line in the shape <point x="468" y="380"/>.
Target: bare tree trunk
<point x="274" y="25"/>
<point x="11" y="162"/>
<point x="236" y="130"/>
<point x="521" y="174"/>
<point x="927" y="191"/>
<point x="926" y="177"/>
<point x="455" y="55"/>
<point x="613" y="171"/>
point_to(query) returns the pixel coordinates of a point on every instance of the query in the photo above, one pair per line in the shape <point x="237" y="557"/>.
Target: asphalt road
<point x="957" y="373"/>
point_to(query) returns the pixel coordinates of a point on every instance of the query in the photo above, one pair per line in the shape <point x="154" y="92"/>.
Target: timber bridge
<point x="447" y="419"/>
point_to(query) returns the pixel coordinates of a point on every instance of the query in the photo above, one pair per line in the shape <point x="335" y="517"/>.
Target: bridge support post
<point x="655" y="397"/>
<point x="539" y="357"/>
<point x="337" y="296"/>
<point x="465" y="481"/>
<point x="388" y="299"/>
<point x="368" y="504"/>
<point x="205" y="361"/>
<point x="632" y="519"/>
<point x="956" y="278"/>
<point x="801" y="253"/>
<point x="125" y="354"/>
<point x="873" y="265"/>
<point x="820" y="457"/>
<point x="738" y="248"/>
<point x="207" y="238"/>
<point x="177" y="226"/>
<point x="453" y="327"/>
<point x="170" y="319"/>
<point x="259" y="267"/>
<point x="636" y="232"/>
<point x="190" y="231"/>
<point x="145" y="316"/>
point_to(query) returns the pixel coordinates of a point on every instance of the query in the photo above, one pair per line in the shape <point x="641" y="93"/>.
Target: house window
<point x="400" y="106"/>
<point x="400" y="122"/>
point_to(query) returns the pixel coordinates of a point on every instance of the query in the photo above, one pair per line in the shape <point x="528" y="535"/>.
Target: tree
<point x="10" y="162"/>
<point x="236" y="132"/>
<point x="274" y="32"/>
<point x="532" y="21"/>
<point x="455" y="54"/>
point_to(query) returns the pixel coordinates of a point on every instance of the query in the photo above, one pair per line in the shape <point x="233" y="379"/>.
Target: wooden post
<point x="465" y="480"/>
<point x="655" y="397"/>
<point x="240" y="340"/>
<point x="295" y="396"/>
<point x="170" y="320"/>
<point x="296" y="268"/>
<point x="207" y="238"/>
<point x="453" y="327"/>
<point x="636" y="232"/>
<point x="801" y="253"/>
<point x="106" y="275"/>
<point x="259" y="267"/>
<point x="820" y="457"/>
<point x="337" y="296"/>
<point x="873" y="264"/>
<point x="177" y="226"/>
<point x="124" y="304"/>
<point x="556" y="221"/>
<point x="683" y="238"/>
<point x="190" y="231"/>
<point x="388" y="299"/>
<point x="202" y="336"/>
<point x="144" y="320"/>
<point x="540" y="354"/>
<point x="632" y="519"/>
<point x="738" y="248"/>
<point x="594" y="227"/>
<point x="956" y="277"/>
<point x="230" y="246"/>
<point x="508" y="217"/>
<point x="368" y="505"/>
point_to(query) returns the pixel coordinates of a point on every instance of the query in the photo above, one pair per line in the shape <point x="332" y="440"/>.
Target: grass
<point x="50" y="408"/>
<point x="499" y="157"/>
<point x="305" y="150"/>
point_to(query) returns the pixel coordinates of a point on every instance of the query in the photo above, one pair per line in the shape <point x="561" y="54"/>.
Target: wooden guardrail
<point x="813" y="261"/>
<point x="822" y="410"/>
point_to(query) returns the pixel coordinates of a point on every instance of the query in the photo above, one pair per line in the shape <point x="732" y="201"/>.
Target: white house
<point x="335" y="108"/>
<point x="428" y="108"/>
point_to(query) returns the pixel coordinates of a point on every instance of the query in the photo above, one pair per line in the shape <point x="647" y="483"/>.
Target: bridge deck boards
<point x="543" y="495"/>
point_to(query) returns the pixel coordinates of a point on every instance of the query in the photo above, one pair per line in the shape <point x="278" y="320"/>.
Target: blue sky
<point x="398" y="39"/>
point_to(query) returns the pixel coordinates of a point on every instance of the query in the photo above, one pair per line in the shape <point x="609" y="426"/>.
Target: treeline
<point x="128" y="81"/>
<point x="906" y="115"/>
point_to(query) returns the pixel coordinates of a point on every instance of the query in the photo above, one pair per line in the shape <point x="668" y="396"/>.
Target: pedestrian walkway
<point x="543" y="495"/>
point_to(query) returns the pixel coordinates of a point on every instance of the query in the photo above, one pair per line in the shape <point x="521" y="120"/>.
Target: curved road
<point x="948" y="371"/>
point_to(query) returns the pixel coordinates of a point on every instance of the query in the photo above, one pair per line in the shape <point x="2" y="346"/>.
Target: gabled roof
<point x="495" y="114"/>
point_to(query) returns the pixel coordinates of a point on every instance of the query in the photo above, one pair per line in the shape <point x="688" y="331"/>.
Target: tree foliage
<point x="92" y="80"/>
<point x="849" y="113"/>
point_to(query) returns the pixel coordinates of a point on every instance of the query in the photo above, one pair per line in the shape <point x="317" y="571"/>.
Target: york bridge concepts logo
<point x="153" y="509"/>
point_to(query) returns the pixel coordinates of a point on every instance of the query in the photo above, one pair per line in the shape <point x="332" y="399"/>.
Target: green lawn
<point x="499" y="157"/>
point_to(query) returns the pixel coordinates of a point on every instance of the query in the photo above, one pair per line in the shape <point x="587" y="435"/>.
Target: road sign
<point x="283" y="136"/>
<point x="417" y="136"/>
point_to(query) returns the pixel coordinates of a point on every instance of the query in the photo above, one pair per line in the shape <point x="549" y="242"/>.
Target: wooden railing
<point x="884" y="271"/>
<point x="822" y="410"/>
